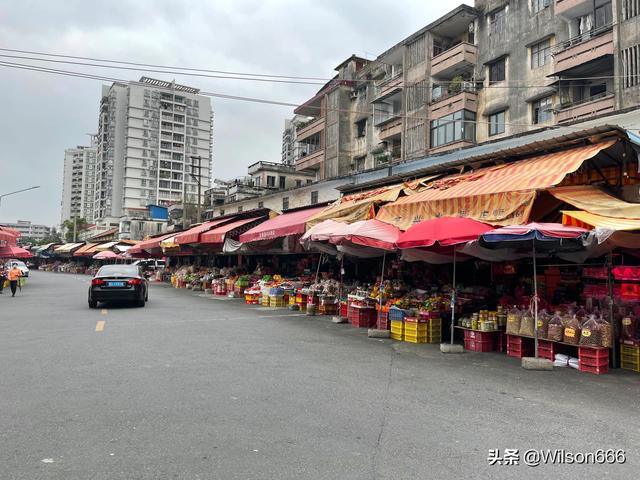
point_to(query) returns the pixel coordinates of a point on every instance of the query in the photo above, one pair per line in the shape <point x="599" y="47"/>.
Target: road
<point x="196" y="388"/>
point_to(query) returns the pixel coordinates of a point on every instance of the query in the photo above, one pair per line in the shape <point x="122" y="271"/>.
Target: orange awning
<point x="590" y="220"/>
<point x="596" y="201"/>
<point x="500" y="195"/>
<point x="87" y="249"/>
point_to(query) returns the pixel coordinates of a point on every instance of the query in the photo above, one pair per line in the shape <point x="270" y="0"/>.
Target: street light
<point x="17" y="191"/>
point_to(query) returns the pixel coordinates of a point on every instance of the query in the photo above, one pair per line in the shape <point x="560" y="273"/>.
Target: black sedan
<point x="118" y="282"/>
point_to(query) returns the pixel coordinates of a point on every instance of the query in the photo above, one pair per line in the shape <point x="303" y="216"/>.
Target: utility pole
<point x="198" y="179"/>
<point x="75" y="225"/>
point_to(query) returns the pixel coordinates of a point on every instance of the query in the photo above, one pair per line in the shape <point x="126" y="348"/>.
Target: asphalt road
<point x="196" y="388"/>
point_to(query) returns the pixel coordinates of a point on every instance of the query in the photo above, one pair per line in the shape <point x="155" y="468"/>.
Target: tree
<point x="53" y="237"/>
<point x="67" y="226"/>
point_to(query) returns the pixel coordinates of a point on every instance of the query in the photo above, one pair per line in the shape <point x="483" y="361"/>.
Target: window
<point x="497" y="21"/>
<point x="631" y="66"/>
<point x="630" y="9"/>
<point x="453" y="128"/>
<point x="541" y="53"/>
<point x="361" y="128"/>
<point x="314" y="197"/>
<point x="260" y="204"/>
<point x="496" y="123"/>
<point x="542" y="111"/>
<point x="282" y="182"/>
<point x="497" y="71"/>
<point x="539" y="5"/>
<point x="271" y="181"/>
<point x="309" y="181"/>
<point x="298" y="183"/>
<point x="285" y="203"/>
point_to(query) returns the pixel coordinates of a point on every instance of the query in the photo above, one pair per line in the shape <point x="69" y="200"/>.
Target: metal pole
<point x="535" y="301"/>
<point x="318" y="269"/>
<point x="453" y="296"/>
<point x="199" y="189"/>
<point x="614" y="361"/>
<point x="384" y="257"/>
<point x="75" y="223"/>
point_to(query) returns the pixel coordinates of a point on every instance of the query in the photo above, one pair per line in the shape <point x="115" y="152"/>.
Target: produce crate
<point x="252" y="299"/>
<point x="344" y="312"/>
<point x="415" y="328"/>
<point x="301" y="299"/>
<point x="415" y="337"/>
<point x="479" y="345"/>
<point x="219" y="289"/>
<point x="630" y="357"/>
<point x="519" y="347"/>
<point x="328" y="309"/>
<point x="479" y="336"/>
<point x="397" y="329"/>
<point x="547" y="349"/>
<point x="383" y="321"/>
<point x="265" y="300"/>
<point x="593" y="357"/>
<point x="434" y="330"/>
<point x="396" y="313"/>
<point x="598" y="370"/>
<point x="292" y="299"/>
<point x="276" y="301"/>
<point x="363" y="317"/>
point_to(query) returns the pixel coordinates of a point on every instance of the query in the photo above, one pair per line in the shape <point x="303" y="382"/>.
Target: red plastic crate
<point x="519" y="347"/>
<point x="344" y="310"/>
<point x="480" y="336"/>
<point x="362" y="317"/>
<point x="596" y="370"/>
<point x="595" y="353"/>
<point x="383" y="321"/>
<point x="547" y="349"/>
<point x="502" y="343"/>
<point x="479" y="346"/>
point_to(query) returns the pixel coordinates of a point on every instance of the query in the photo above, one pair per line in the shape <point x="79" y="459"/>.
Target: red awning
<point x="14" y="252"/>
<point x="193" y="234"/>
<point x="368" y="233"/>
<point x="8" y="236"/>
<point x="217" y="235"/>
<point x="152" y="243"/>
<point x="442" y="231"/>
<point x="293" y="223"/>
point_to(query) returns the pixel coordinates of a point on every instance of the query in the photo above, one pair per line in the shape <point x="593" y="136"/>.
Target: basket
<point x="396" y="313"/>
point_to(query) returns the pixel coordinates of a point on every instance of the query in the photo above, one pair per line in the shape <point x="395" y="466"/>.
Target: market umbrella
<point x="443" y="232"/>
<point x="11" y="251"/>
<point x="549" y="237"/>
<point x="106" y="255"/>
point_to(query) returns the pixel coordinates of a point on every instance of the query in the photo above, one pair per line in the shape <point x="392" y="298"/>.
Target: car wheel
<point x="93" y="304"/>
<point x="140" y="302"/>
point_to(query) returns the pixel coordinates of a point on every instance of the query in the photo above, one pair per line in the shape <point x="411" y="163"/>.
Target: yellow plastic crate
<point x="630" y="351"/>
<point x="415" y="328"/>
<point x="396" y="336"/>
<point x="629" y="363"/>
<point x="265" y="300"/>
<point x="436" y="338"/>
<point x="276" y="302"/>
<point x="415" y="338"/>
<point x="292" y="299"/>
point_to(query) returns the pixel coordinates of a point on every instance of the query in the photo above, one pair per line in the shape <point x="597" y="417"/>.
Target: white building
<point x="154" y="146"/>
<point x="79" y="182"/>
<point x="29" y="230"/>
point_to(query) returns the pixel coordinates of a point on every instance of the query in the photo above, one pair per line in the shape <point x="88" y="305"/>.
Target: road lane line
<point x="100" y="326"/>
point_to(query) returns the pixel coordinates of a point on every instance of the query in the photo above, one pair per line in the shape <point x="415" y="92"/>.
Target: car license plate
<point x="116" y="284"/>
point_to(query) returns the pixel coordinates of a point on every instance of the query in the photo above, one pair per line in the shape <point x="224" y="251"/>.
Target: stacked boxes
<point x="519" y="347"/>
<point x="397" y="329"/>
<point x="476" y="341"/>
<point x="415" y="329"/>
<point x="362" y="317"/>
<point x="630" y="357"/>
<point x="276" y="301"/>
<point x="265" y="300"/>
<point x="383" y="320"/>
<point x="547" y="349"/>
<point x="593" y="360"/>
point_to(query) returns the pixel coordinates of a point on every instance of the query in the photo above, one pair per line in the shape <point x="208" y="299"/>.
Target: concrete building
<point x="28" y="229"/>
<point x="154" y="146"/>
<point x="78" y="182"/>
<point x="477" y="74"/>
<point x="289" y="138"/>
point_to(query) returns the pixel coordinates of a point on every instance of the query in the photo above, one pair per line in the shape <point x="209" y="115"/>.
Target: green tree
<point x="67" y="226"/>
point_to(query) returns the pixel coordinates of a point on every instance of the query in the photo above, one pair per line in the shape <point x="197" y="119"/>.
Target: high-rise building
<point x="154" y="147"/>
<point x="79" y="182"/>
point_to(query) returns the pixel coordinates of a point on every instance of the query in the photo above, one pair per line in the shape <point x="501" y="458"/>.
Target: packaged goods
<point x="561" y="360"/>
<point x="574" y="363"/>
<point x="555" y="329"/>
<point x="572" y="332"/>
<point x="527" y="324"/>
<point x="629" y="328"/>
<point x="606" y="333"/>
<point x="543" y="323"/>
<point x="591" y="333"/>
<point x="513" y="321"/>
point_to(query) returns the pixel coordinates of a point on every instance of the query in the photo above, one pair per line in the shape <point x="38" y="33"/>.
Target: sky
<point x="42" y="114"/>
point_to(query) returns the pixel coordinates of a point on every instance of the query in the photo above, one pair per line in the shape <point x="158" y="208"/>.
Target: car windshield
<point x="118" y="271"/>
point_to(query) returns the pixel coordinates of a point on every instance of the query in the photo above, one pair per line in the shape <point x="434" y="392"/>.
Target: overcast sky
<point x="42" y="114"/>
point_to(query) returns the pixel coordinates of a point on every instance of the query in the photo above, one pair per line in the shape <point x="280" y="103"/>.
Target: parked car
<point x="150" y="264"/>
<point x="117" y="283"/>
<point x="21" y="265"/>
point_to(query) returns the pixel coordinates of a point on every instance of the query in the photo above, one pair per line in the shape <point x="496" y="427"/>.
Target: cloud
<point x="44" y="114"/>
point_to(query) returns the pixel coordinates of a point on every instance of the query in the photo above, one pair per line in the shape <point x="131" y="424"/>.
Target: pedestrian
<point x="3" y="277"/>
<point x="14" y="275"/>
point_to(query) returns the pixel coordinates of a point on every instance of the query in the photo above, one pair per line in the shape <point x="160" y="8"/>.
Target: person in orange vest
<point x="14" y="275"/>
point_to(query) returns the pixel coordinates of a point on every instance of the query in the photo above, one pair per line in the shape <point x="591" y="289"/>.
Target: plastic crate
<point x="630" y="351"/>
<point x="419" y="319"/>
<point x="518" y="347"/>
<point x="301" y="299"/>
<point x="547" y="349"/>
<point x="415" y="338"/>
<point x="479" y="345"/>
<point x="396" y="313"/>
<point x="629" y="363"/>
<point x="415" y="328"/>
<point x="362" y="317"/>
<point x="479" y="336"/>
<point x="276" y="301"/>
<point x="265" y="300"/>
<point x="292" y="299"/>
<point x="344" y="309"/>
<point x="598" y="370"/>
<point x="328" y="309"/>
<point x="397" y="329"/>
<point x="383" y="321"/>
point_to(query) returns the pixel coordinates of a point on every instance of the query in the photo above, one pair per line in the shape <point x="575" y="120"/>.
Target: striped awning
<point x="87" y="249"/>
<point x="594" y="200"/>
<point x="580" y="218"/>
<point x="68" y="247"/>
<point x="105" y="246"/>
<point x="500" y="195"/>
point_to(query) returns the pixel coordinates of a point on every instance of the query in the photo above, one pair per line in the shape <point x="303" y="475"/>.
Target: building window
<point x="539" y="5"/>
<point x="631" y="66"/>
<point x="496" y="123"/>
<point x="630" y="9"/>
<point x="452" y="128"/>
<point x="361" y="128"/>
<point x="541" y="53"/>
<point x="298" y="183"/>
<point x="497" y="21"/>
<point x="309" y="181"/>
<point x="260" y="204"/>
<point x="285" y="203"/>
<point x="497" y="71"/>
<point x="314" y="197"/>
<point x="542" y="110"/>
<point x="271" y="181"/>
<point x="282" y="182"/>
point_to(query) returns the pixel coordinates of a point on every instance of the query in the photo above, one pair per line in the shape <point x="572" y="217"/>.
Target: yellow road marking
<point x="100" y="326"/>
<point x="103" y="311"/>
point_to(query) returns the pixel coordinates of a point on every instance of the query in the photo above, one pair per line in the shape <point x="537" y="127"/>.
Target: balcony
<point x="388" y="87"/>
<point x="381" y="117"/>
<point x="452" y="146"/>
<point x="576" y="8"/>
<point x="310" y="161"/>
<point x="596" y="105"/>
<point x="452" y="101"/>
<point x="390" y="129"/>
<point x="591" y="46"/>
<point x="309" y="129"/>
<point x="460" y="58"/>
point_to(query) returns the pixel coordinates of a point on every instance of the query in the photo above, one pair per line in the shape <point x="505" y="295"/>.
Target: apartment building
<point x="78" y="182"/>
<point x="28" y="229"/>
<point x="154" y="147"/>
<point x="290" y="143"/>
<point x="477" y="74"/>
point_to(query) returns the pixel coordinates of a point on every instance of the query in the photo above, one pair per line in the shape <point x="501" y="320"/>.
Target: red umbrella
<point x="106" y="255"/>
<point x="367" y="233"/>
<point x="442" y="231"/>
<point x="14" y="252"/>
